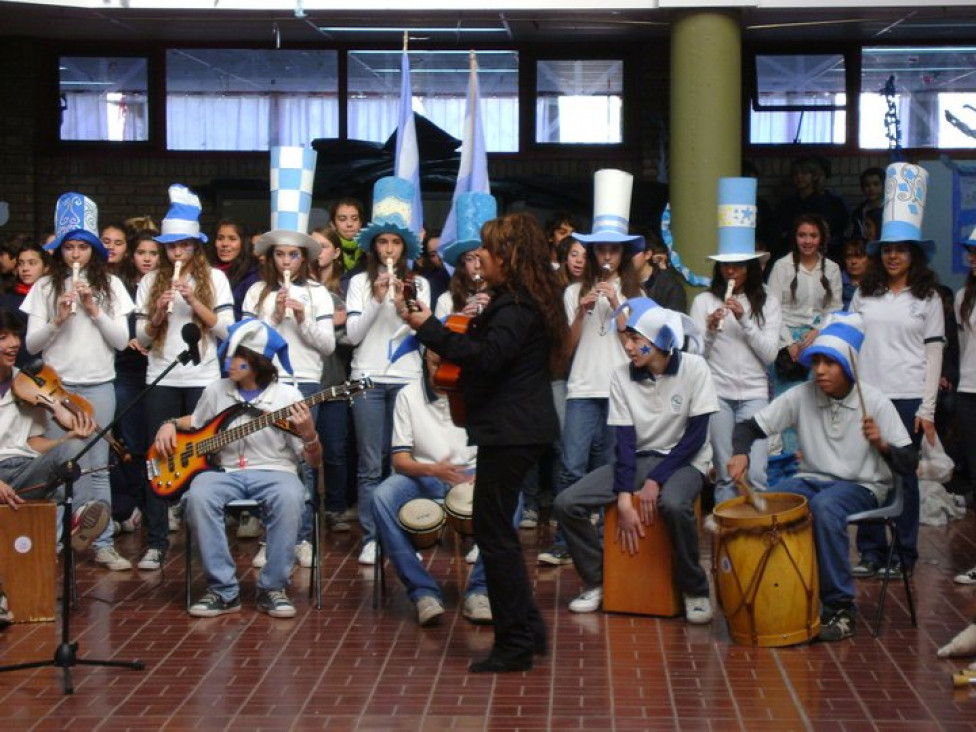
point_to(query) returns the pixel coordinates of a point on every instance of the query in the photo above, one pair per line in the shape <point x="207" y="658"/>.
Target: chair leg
<point x="905" y="579"/>
<point x="188" y="562"/>
<point x="884" y="583"/>
<point x="379" y="576"/>
<point x="315" y="584"/>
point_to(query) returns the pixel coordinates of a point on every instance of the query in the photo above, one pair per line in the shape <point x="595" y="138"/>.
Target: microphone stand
<point x="66" y="655"/>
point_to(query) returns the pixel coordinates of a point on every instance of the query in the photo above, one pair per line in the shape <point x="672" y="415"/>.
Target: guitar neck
<point x="227" y="437"/>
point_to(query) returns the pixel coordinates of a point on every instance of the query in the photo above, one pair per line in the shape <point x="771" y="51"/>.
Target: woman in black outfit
<point x="506" y="358"/>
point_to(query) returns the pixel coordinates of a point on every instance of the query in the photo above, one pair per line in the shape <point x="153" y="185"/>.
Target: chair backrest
<point x="892" y="507"/>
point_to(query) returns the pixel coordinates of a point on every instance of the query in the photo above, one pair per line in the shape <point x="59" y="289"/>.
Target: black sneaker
<point x="555" y="556"/>
<point x="275" y="603"/>
<point x="895" y="574"/>
<point x="211" y="605"/>
<point x="865" y="568"/>
<point x="838" y="626"/>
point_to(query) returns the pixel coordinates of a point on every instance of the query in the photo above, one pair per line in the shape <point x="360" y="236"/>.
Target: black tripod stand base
<point x="66" y="657"/>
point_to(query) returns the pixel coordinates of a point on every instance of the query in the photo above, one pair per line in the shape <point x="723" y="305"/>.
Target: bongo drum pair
<point x="423" y="518"/>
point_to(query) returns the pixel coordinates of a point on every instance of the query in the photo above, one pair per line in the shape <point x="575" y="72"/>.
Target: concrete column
<point x="706" y="127"/>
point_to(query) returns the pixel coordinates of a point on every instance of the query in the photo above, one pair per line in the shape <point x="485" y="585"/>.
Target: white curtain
<point x="85" y="116"/>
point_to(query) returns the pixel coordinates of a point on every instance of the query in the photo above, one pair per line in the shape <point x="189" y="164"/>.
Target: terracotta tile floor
<point x="347" y="666"/>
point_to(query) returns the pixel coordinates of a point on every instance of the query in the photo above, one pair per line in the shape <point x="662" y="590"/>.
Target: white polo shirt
<point x="308" y="343"/>
<point x="831" y="437"/>
<point x="18" y="423"/>
<point x="422" y="426"/>
<point x="967" y="347"/>
<point x="599" y="349"/>
<point x="808" y="309"/>
<point x="659" y="409"/>
<point x="270" y="448"/>
<point x="896" y="329"/>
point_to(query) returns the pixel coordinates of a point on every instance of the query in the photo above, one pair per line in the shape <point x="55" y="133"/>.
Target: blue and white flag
<point x="473" y="170"/>
<point x="407" y="163"/>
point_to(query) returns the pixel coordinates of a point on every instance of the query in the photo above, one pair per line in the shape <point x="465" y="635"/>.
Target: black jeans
<point x="518" y="625"/>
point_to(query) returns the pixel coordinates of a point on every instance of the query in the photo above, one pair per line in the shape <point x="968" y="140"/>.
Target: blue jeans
<point x="831" y="502"/>
<point x="98" y="488"/>
<point x="373" y="416"/>
<point x="720" y="427"/>
<point x="283" y="497"/>
<point x="332" y="428"/>
<point x="872" y="542"/>
<point x="389" y="496"/>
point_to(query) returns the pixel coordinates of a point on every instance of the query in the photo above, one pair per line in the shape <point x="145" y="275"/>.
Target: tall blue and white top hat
<point x="737" y="220"/>
<point x="842" y="333"/>
<point x="392" y="209"/>
<point x="292" y="178"/>
<point x="906" y="190"/>
<point x="471" y="210"/>
<point x="667" y="329"/>
<point x="612" y="190"/>
<point x="257" y="336"/>
<point x="76" y="218"/>
<point x="182" y="221"/>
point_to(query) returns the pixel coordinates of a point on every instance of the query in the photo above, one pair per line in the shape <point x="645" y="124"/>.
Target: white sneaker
<point x="132" y="523"/>
<point x="698" y="610"/>
<point x="303" y="553"/>
<point x="248" y="526"/>
<point x="368" y="556"/>
<point x="589" y="601"/>
<point x="429" y="609"/>
<point x="966" y="578"/>
<point x="151" y="560"/>
<point x="174" y="518"/>
<point x="261" y="558"/>
<point x="472" y="556"/>
<point x="111" y="559"/>
<point x="477" y="609"/>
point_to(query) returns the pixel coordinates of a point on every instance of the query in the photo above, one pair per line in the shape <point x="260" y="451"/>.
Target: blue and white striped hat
<point x="737" y="214"/>
<point x="76" y="218"/>
<point x="257" y="336"/>
<point x="612" y="190"/>
<point x="182" y="221"/>
<point x="292" y="179"/>
<point x="843" y="333"/>
<point x="667" y="329"/>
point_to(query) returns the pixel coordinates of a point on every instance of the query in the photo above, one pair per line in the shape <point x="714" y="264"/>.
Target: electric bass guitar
<point x="170" y="477"/>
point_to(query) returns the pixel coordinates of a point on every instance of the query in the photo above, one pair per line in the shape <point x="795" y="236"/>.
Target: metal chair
<point x="887" y="515"/>
<point x="314" y="586"/>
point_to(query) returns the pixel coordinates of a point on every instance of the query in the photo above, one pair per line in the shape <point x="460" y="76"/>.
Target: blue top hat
<point x="257" y="336"/>
<point x="843" y="333"/>
<point x="737" y="220"/>
<point x="182" y="221"/>
<point x="292" y="177"/>
<point x="392" y="209"/>
<point x="612" y="191"/>
<point x="906" y="189"/>
<point x="76" y="218"/>
<point x="471" y="211"/>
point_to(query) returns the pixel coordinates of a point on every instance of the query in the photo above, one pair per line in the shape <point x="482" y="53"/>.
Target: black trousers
<point x="518" y="625"/>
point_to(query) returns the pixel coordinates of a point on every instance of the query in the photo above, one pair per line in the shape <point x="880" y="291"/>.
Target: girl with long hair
<point x="232" y="253"/>
<point x="468" y="292"/>
<point x="507" y="357"/>
<point x="165" y="304"/>
<point x="965" y="306"/>
<point x="77" y="322"/>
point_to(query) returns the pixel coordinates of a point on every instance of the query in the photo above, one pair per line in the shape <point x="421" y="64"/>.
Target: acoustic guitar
<point x="170" y="477"/>
<point x="448" y="374"/>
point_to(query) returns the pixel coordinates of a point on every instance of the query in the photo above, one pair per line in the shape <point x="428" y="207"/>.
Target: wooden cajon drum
<point x="27" y="560"/>
<point x="639" y="584"/>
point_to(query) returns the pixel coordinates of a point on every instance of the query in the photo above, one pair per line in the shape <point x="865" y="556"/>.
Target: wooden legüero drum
<point x="27" y="560"/>
<point x="422" y="519"/>
<point x="641" y="584"/>
<point x="459" y="506"/>
<point x="765" y="569"/>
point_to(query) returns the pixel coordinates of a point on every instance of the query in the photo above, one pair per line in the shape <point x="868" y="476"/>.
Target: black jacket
<point x="504" y="360"/>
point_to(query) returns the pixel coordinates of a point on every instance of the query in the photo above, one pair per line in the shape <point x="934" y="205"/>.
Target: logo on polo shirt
<point x="676" y="401"/>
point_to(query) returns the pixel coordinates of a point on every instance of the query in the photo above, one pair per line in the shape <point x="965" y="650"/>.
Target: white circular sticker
<point x="23" y="544"/>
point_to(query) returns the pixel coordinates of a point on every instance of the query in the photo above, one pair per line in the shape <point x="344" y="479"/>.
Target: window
<point x="439" y="84"/>
<point x="104" y="98"/>
<point x="798" y="98"/>
<point x="934" y="96"/>
<point x="230" y="99"/>
<point x="579" y="101"/>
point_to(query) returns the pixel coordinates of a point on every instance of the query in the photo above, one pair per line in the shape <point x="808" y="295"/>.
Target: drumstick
<point x="177" y="266"/>
<point x="964" y="679"/>
<point x="289" y="313"/>
<point x="729" y="289"/>
<point x="753" y="497"/>
<point x="857" y="382"/>
<point x="75" y="274"/>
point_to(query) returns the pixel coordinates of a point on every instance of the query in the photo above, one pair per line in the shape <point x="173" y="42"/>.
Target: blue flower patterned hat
<point x="906" y="190"/>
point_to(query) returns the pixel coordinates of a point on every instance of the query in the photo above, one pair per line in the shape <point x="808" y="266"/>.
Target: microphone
<point x="191" y="337"/>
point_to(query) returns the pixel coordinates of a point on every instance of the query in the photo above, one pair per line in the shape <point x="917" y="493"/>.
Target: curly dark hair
<point x="921" y="278"/>
<point x="96" y="272"/>
<point x="519" y="244"/>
